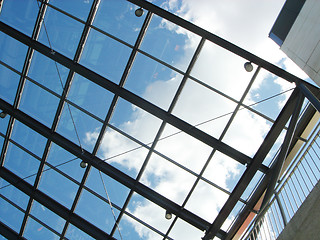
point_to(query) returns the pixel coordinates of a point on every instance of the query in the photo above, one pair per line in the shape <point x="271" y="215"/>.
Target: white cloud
<point x="246" y="23"/>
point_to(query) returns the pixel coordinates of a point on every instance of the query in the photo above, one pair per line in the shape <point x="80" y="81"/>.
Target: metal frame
<point x="253" y="164"/>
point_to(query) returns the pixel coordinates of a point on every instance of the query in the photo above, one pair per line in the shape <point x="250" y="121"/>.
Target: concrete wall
<point x="302" y="43"/>
<point x="305" y="224"/>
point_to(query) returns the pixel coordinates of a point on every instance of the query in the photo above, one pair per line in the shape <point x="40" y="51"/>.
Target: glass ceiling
<point x="134" y="99"/>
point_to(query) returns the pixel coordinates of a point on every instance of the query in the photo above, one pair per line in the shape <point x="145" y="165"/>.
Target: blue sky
<point x="246" y="23"/>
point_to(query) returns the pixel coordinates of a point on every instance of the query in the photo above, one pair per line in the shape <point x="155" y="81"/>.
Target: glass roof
<point x="158" y="121"/>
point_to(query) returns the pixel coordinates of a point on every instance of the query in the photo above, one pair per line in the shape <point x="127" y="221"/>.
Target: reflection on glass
<point x="47" y="74"/>
<point x="9" y="81"/>
<point x="64" y="32"/>
<point x="21" y="163"/>
<point x="90" y="96"/>
<point x="39" y="103"/>
<point x="75" y="233"/>
<point x="153" y="81"/>
<point x="117" y="18"/>
<point x="10" y="215"/>
<point x="56" y="186"/>
<point x="36" y="231"/>
<point x="78" y="127"/>
<point x="169" y="43"/>
<point x="47" y="216"/>
<point x="105" y="56"/>
<point x="28" y="138"/>
<point x="20" y="14"/>
<point x="12" y="52"/>
<point x="103" y="218"/>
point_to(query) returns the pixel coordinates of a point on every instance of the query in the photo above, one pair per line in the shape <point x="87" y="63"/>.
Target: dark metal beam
<point x="53" y="205"/>
<point x="106" y="168"/>
<point x="309" y="94"/>
<point x="127" y="95"/>
<point x="265" y="147"/>
<point x="275" y="172"/>
<point x="9" y="233"/>
<point x="217" y="40"/>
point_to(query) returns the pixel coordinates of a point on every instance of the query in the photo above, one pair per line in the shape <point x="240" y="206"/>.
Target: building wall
<point x="305" y="224"/>
<point x="302" y="43"/>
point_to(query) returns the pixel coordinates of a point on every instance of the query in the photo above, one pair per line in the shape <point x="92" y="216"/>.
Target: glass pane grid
<point x="151" y="108"/>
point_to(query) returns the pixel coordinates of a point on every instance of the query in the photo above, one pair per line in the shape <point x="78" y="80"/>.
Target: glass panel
<point x="129" y="229"/>
<point x="84" y="126"/>
<point x="170" y="43"/>
<point x="12" y="52"/>
<point x="251" y="186"/>
<point x="65" y="161"/>
<point x="47" y="74"/>
<point x="4" y="123"/>
<point x="64" y="32"/>
<point x="36" y="231"/>
<point x="135" y="121"/>
<point x="75" y="233"/>
<point x="28" y="138"/>
<point x="105" y="56"/>
<point x="21" y="163"/>
<point x="179" y="231"/>
<point x="117" y="17"/>
<point x="9" y="81"/>
<point x="78" y="9"/>
<point x="153" y="81"/>
<point x="39" y="103"/>
<point x="14" y="194"/>
<point x="149" y="213"/>
<point x="221" y="70"/>
<point x="224" y="171"/>
<point x="208" y="207"/>
<point x="184" y="149"/>
<point x="10" y="215"/>
<point x="247" y="132"/>
<point x="265" y="95"/>
<point x="122" y="153"/>
<point x="103" y="218"/>
<point x="167" y="179"/>
<point x="116" y="191"/>
<point x="20" y="14"/>
<point x="58" y="187"/>
<point x="47" y="216"/>
<point x="201" y="107"/>
<point x="90" y="96"/>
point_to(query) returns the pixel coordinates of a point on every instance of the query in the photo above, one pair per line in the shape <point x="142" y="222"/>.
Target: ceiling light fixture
<point x="139" y="12"/>
<point x="168" y="215"/>
<point x="83" y="164"/>
<point x="248" y="66"/>
<point x="3" y="114"/>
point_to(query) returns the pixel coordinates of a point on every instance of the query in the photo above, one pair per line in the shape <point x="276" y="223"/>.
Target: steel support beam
<point x="276" y="169"/>
<point x="9" y="233"/>
<point x="217" y="40"/>
<point x="310" y="95"/>
<point x="265" y="147"/>
<point x="106" y="168"/>
<point x="127" y="95"/>
<point x="53" y="205"/>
